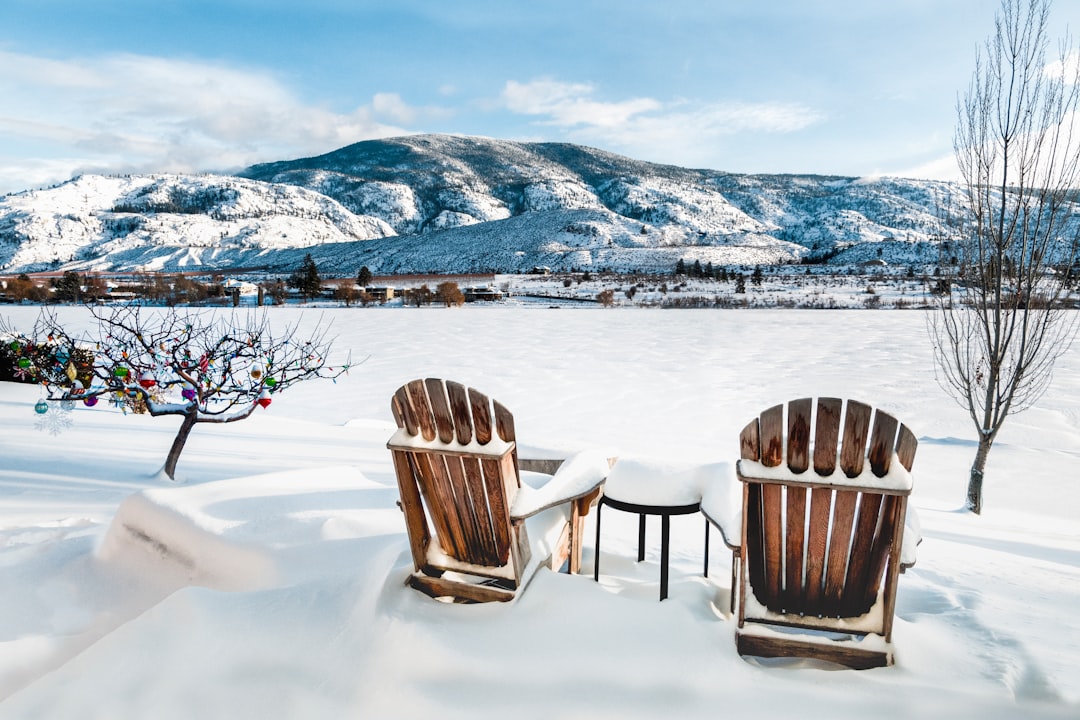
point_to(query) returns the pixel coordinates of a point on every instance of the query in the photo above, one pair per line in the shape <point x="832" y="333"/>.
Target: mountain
<point x="456" y="204"/>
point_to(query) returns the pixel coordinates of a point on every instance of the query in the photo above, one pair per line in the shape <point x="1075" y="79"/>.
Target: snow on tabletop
<point x="651" y="481"/>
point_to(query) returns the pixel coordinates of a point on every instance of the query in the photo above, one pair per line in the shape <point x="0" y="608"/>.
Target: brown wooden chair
<point x="823" y="531"/>
<point x="469" y="516"/>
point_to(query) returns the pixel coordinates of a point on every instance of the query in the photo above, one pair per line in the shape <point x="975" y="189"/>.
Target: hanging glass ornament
<point x="188" y="393"/>
<point x="270" y="382"/>
<point x="14" y="346"/>
<point x="256" y="372"/>
<point x="264" y="399"/>
<point x="147" y="381"/>
<point x="90" y="401"/>
<point x="24" y="363"/>
<point x="41" y="407"/>
<point x="121" y="372"/>
<point x="71" y="372"/>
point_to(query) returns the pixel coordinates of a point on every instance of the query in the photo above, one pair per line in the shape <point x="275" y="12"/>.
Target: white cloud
<point x="569" y="105"/>
<point x="132" y="113"/>
<point x="679" y="132"/>
<point x="1067" y="68"/>
<point x="941" y="168"/>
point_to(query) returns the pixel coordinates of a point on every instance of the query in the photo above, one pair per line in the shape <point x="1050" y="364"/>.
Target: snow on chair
<point x="823" y="531"/>
<point x="470" y="511"/>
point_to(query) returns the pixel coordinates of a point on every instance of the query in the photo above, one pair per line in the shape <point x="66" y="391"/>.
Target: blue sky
<point x="846" y="87"/>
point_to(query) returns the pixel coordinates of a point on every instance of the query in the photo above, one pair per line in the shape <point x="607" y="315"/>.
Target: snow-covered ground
<point x="276" y="587"/>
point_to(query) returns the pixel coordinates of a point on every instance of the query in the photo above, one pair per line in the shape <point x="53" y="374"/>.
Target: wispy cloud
<point x="129" y="113"/>
<point x="645" y="127"/>
<point x="570" y="105"/>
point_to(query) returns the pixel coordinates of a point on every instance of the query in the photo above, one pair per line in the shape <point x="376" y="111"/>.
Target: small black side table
<point x="665" y="512"/>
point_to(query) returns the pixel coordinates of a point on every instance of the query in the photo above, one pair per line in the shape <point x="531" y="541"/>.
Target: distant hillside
<point x="457" y="204"/>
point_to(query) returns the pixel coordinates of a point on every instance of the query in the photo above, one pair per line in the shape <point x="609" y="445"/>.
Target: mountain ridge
<point x="450" y="203"/>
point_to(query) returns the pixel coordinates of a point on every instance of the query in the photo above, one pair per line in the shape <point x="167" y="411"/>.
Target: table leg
<point x="706" y="548"/>
<point x="665" y="534"/>
<point x="596" y="552"/>
<point x="641" y="537"/>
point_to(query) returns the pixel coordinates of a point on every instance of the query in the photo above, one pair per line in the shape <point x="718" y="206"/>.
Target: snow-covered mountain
<point x="454" y="204"/>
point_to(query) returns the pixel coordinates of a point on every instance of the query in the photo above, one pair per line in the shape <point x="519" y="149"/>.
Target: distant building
<point x="245" y="288"/>
<point x="474" y="294"/>
<point x="380" y="294"/>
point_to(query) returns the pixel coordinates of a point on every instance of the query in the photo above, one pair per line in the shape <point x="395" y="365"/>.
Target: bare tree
<point x="205" y="367"/>
<point x="1019" y="156"/>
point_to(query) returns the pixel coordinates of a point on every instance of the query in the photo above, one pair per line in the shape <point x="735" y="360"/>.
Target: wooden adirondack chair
<point x="455" y="455"/>
<point x="823" y="531"/>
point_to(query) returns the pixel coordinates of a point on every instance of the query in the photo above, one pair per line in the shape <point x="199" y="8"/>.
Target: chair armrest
<point x="911" y="538"/>
<point x="721" y="503"/>
<point x="578" y="476"/>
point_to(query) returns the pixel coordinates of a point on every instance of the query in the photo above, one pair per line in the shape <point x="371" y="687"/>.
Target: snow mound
<point x="228" y="535"/>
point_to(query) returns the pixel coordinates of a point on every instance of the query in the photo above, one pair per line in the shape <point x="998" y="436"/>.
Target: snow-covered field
<point x="281" y="591"/>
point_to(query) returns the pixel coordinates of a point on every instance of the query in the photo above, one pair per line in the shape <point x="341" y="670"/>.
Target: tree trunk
<point x="178" y="444"/>
<point x="975" y="481"/>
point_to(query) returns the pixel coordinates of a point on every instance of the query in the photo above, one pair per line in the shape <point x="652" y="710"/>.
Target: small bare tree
<point x="1019" y="157"/>
<point x="205" y="367"/>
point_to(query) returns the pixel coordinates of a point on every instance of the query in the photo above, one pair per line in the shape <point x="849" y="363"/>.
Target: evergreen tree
<point x="680" y="267"/>
<point x="757" y="276"/>
<point x="364" y="277"/>
<point x="307" y="279"/>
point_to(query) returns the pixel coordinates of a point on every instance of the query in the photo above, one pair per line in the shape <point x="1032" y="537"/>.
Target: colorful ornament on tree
<point x="147" y="381"/>
<point x="121" y="372"/>
<point x="270" y="382"/>
<point x="24" y="362"/>
<point x="41" y="407"/>
<point x="71" y="372"/>
<point x="264" y="399"/>
<point x="90" y="401"/>
<point x="188" y="393"/>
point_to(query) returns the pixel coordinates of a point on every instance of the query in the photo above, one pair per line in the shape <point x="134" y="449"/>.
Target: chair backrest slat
<point x="440" y="410"/>
<point x="844" y="505"/>
<point x="772" y="436"/>
<point x="774" y="539"/>
<point x="750" y="441"/>
<point x="481" y="415"/>
<point x="459" y="409"/>
<point x="794" y="587"/>
<point x="798" y="434"/>
<point x="827" y="434"/>
<point x="861" y="558"/>
<point x="817" y="546"/>
<point x="856" y="427"/>
<point x="416" y="394"/>
<point x="754" y="529"/>
<point x="882" y="442"/>
<point x="906" y="445"/>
